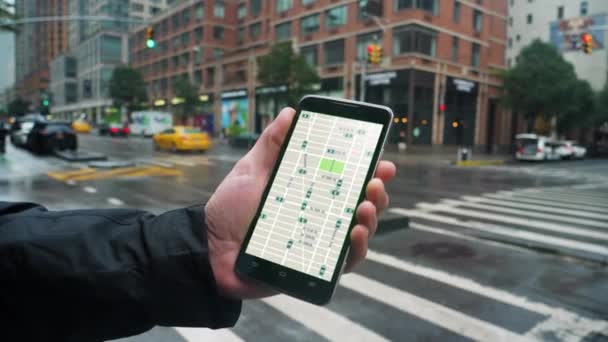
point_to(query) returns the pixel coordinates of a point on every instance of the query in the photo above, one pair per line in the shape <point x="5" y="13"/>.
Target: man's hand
<point x="230" y="210"/>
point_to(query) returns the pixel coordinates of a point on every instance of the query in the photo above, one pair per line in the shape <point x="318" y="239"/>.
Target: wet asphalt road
<point x="522" y="255"/>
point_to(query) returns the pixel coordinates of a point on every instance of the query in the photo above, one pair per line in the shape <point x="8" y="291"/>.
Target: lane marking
<point x="513" y="220"/>
<point x="561" y="198"/>
<point x="89" y="189"/>
<point x="437" y="314"/>
<point x="547" y="203"/>
<point x="549" y="209"/>
<point x="115" y="201"/>
<point x="70" y="174"/>
<point x="501" y="230"/>
<point x="70" y="182"/>
<point x="204" y="334"/>
<point x="527" y="213"/>
<point x="586" y="195"/>
<point x="323" y="321"/>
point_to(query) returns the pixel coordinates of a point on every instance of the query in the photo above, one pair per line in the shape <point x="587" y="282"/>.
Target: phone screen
<point x="306" y="216"/>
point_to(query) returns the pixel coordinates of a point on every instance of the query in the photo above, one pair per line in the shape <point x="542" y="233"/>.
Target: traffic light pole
<point x="363" y="62"/>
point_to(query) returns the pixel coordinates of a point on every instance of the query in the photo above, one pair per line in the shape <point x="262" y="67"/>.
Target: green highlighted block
<point x="331" y="165"/>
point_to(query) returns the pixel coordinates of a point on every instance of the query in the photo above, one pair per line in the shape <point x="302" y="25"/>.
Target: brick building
<point x="36" y="45"/>
<point x="435" y="51"/>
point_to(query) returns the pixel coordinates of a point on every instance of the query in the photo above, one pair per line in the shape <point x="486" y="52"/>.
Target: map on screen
<point x="306" y="216"/>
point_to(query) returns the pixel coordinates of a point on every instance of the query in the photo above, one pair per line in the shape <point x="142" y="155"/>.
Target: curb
<point x="472" y="163"/>
<point x="390" y="222"/>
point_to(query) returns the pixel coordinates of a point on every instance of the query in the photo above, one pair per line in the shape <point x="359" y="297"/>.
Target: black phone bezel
<point x="301" y="285"/>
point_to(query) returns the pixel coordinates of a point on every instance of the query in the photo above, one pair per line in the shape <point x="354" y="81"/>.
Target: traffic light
<point x="374" y="54"/>
<point x="150" y="43"/>
<point x="587" y="44"/>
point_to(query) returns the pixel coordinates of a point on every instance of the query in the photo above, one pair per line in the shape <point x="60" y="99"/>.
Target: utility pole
<point x="363" y="63"/>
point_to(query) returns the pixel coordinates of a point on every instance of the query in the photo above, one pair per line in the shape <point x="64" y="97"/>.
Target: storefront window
<point x="414" y="38"/>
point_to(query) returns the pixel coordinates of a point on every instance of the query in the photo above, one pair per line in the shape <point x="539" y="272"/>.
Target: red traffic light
<point x="442" y="108"/>
<point x="587" y="38"/>
<point x="370" y="48"/>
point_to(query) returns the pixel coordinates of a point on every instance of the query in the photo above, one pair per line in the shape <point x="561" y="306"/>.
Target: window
<point x="198" y="55"/>
<point x="510" y="43"/>
<point x="210" y="76"/>
<point x="334" y="52"/>
<point x="175" y="42"/>
<point x="364" y="40"/>
<point x="185" y="38"/>
<point x="198" y="34"/>
<point x="309" y="24"/>
<point x="135" y="7"/>
<point x="529" y="19"/>
<point x="477" y="20"/>
<point x="310" y="55"/>
<point x="198" y="77"/>
<point x="335" y="17"/>
<point x="307" y="2"/>
<point x="512" y="2"/>
<point x="414" y="38"/>
<point x="219" y="10"/>
<point x="218" y="53"/>
<point x="283" y="31"/>
<point x="242" y="11"/>
<point x="111" y="49"/>
<point x="475" y="54"/>
<point x="456" y="14"/>
<point x="175" y="21"/>
<point x="560" y="12"/>
<point x="509" y="62"/>
<point x="154" y="10"/>
<point x="455" y="48"/>
<point x="175" y="62"/>
<point x="241" y="35"/>
<point x="255" y="6"/>
<point x="199" y="11"/>
<point x="511" y="21"/>
<point x="255" y="30"/>
<point x="284" y="5"/>
<point x="426" y="5"/>
<point x="186" y="16"/>
<point x="518" y="37"/>
<point x="584" y="8"/>
<point x="218" y="32"/>
<point x="185" y="59"/>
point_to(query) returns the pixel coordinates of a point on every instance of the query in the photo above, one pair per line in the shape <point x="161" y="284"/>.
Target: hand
<point x="230" y="210"/>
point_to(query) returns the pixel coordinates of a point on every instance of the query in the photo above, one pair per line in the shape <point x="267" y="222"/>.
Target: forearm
<point x="99" y="274"/>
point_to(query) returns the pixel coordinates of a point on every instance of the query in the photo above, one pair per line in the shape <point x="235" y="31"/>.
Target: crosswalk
<point x="188" y="160"/>
<point x="396" y="298"/>
<point x="570" y="220"/>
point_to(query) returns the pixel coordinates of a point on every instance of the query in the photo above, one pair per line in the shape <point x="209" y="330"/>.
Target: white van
<point x="148" y="123"/>
<point x="535" y="147"/>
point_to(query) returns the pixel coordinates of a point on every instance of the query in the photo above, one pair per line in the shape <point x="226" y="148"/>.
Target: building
<point x="561" y="22"/>
<point x="435" y="52"/>
<point x="36" y="44"/>
<point x="96" y="48"/>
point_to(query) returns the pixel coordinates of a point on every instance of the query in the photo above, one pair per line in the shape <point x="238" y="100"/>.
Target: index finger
<point x="386" y="170"/>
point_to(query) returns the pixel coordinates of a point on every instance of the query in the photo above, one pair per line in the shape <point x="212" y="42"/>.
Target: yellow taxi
<point x="81" y="126"/>
<point x="182" y="138"/>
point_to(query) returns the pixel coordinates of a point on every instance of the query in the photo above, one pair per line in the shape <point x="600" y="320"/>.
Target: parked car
<point x="103" y="128"/>
<point x="181" y="138"/>
<point x="49" y="136"/>
<point x="81" y="126"/>
<point x="19" y="131"/>
<point x="535" y="147"/>
<point x="565" y="149"/>
<point x="579" y="151"/>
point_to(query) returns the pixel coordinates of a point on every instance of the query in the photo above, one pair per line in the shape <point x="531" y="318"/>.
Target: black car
<point x="49" y="136"/>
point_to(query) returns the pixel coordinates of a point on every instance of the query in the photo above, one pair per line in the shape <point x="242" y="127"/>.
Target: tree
<point x="127" y="88"/>
<point x="188" y="93"/>
<point x="579" y="109"/>
<point x="601" y="108"/>
<point x="18" y="107"/>
<point x="541" y="83"/>
<point x="282" y="66"/>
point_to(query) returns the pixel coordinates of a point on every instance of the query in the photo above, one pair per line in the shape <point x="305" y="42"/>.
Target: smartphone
<point x="299" y="237"/>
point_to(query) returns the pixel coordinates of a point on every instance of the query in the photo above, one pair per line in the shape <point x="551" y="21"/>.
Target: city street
<point x="496" y="253"/>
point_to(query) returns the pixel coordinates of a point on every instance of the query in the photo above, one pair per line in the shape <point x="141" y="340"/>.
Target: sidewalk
<point x="441" y="155"/>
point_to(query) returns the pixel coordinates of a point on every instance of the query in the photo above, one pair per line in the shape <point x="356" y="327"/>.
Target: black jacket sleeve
<point x="92" y="275"/>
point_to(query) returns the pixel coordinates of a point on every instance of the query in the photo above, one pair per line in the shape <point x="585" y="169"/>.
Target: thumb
<point x="266" y="150"/>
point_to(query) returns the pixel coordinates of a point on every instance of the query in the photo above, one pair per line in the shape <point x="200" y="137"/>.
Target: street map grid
<point x="311" y="203"/>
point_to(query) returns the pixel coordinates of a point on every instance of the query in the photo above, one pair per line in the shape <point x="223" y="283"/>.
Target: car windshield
<point x="523" y="142"/>
<point x="191" y="130"/>
<point x="27" y="125"/>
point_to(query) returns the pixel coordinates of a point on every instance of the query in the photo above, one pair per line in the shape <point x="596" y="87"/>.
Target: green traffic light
<point x="150" y="43"/>
<point x="45" y="103"/>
